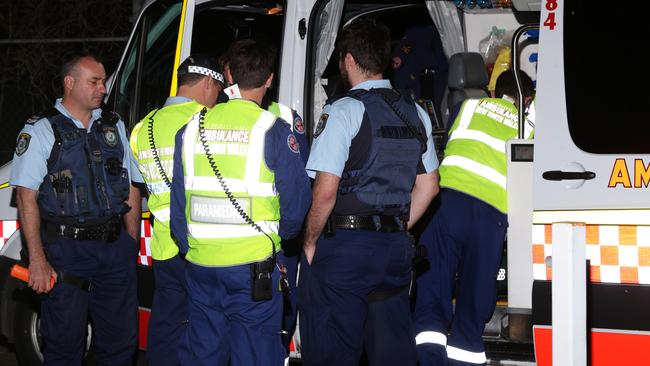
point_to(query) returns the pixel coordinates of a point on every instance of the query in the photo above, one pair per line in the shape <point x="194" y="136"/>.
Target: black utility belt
<point x="103" y="232"/>
<point x="381" y="223"/>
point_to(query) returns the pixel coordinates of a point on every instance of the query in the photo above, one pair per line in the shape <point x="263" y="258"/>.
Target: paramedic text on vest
<point x="255" y="157"/>
<point x="375" y="168"/>
<point x="152" y="142"/>
<point x="290" y="248"/>
<point x="80" y="217"/>
<point x="465" y="238"/>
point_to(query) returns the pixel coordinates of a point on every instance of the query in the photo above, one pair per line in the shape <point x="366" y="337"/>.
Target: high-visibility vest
<point x="166" y="122"/>
<point x="282" y="111"/>
<point x="217" y="234"/>
<point x="475" y="156"/>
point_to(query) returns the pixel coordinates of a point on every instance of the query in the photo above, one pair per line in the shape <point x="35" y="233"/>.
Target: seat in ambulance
<point x="467" y="79"/>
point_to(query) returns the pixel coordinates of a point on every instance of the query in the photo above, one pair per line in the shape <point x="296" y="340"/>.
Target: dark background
<point x="35" y="36"/>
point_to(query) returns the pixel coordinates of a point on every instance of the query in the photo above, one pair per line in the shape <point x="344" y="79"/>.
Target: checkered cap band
<point x="207" y="72"/>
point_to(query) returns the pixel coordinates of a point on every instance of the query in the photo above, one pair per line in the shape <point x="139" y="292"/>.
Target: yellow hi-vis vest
<point x="167" y="121"/>
<point x="475" y="156"/>
<point x="282" y="111"/>
<point x="217" y="234"/>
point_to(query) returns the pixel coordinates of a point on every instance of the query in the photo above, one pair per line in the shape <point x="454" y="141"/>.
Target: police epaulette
<point x="110" y="117"/>
<point x="48" y="113"/>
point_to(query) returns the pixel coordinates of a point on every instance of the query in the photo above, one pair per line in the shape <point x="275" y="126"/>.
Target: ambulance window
<point x="144" y="79"/>
<point x="607" y="78"/>
<point x="216" y="27"/>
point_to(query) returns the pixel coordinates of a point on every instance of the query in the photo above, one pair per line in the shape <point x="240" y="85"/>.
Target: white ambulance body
<point x="591" y="155"/>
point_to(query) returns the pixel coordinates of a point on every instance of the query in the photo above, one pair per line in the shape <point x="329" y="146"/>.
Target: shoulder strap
<point x="109" y="117"/>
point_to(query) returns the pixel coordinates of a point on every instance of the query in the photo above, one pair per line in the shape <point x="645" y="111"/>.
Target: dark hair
<point x="251" y="62"/>
<point x="71" y="62"/>
<point x="506" y="85"/>
<point x="368" y="41"/>
<point x="191" y="79"/>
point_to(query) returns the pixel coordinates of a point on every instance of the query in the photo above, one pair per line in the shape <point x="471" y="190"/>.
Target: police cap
<point x="201" y="64"/>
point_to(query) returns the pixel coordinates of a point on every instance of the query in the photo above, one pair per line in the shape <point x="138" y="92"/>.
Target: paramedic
<point x="244" y="189"/>
<point x="465" y="238"/>
<point x="152" y="142"/>
<point x="80" y="215"/>
<point x="375" y="174"/>
<point x="290" y="248"/>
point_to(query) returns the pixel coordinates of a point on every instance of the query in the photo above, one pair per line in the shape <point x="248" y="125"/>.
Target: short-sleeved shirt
<point x="30" y="167"/>
<point x="331" y="148"/>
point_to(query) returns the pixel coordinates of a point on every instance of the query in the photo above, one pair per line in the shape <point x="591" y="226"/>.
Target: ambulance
<point x="576" y="274"/>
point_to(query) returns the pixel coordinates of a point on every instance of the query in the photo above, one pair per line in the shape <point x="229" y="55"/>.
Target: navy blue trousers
<point x="464" y="244"/>
<point x="226" y="327"/>
<point x="168" y="311"/>
<point x="336" y="318"/>
<point x="111" y="304"/>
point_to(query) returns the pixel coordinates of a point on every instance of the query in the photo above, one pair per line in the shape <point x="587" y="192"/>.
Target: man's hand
<point x="40" y="275"/>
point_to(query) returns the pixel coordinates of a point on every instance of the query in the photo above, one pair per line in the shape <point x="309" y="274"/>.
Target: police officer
<point x="81" y="219"/>
<point x="375" y="169"/>
<point x="152" y="141"/>
<point x="290" y="248"/>
<point x="465" y="237"/>
<point x="244" y="189"/>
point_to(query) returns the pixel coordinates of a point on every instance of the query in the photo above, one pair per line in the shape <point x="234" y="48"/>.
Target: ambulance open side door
<point x="590" y="187"/>
<point x="146" y="76"/>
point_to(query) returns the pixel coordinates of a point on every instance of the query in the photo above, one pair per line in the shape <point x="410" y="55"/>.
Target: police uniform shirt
<point x="340" y="123"/>
<point x="285" y="162"/>
<point x="176" y="100"/>
<point x="30" y="167"/>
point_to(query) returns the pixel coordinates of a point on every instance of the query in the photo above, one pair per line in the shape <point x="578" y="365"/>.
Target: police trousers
<point x="111" y="305"/>
<point x="168" y="311"/>
<point x="226" y="327"/>
<point x="336" y="318"/>
<point x="464" y="243"/>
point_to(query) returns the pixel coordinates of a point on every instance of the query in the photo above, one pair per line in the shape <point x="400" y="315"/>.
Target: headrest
<point x="467" y="71"/>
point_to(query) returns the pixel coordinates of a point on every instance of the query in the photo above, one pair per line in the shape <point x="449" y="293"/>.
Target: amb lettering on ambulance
<point x="640" y="177"/>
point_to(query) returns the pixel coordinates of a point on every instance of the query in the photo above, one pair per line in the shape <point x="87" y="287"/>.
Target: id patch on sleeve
<point x="298" y="126"/>
<point x="22" y="144"/>
<point x="321" y="124"/>
<point x="293" y="144"/>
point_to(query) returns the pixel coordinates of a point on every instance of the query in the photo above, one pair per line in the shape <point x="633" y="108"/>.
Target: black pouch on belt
<point x="261" y="280"/>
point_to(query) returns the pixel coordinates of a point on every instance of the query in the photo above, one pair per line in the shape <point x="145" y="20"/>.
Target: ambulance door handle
<point x="560" y="175"/>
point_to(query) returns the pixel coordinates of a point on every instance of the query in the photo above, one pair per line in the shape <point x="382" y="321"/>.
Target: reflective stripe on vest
<point x="217" y="234"/>
<point x="167" y="121"/>
<point x="475" y="156"/>
<point x="466" y="356"/>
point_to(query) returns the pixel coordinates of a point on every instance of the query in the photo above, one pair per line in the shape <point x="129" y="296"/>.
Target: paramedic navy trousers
<point x="336" y="318"/>
<point x="226" y="327"/>
<point x="464" y="244"/>
<point x="168" y="311"/>
<point x="111" y="304"/>
<point x="289" y="313"/>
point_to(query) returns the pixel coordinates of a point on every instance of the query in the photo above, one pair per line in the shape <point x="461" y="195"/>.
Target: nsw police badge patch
<point x="110" y="136"/>
<point x="321" y="124"/>
<point x="23" y="143"/>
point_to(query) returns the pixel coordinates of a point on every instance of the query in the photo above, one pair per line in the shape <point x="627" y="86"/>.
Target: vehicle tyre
<point x="27" y="336"/>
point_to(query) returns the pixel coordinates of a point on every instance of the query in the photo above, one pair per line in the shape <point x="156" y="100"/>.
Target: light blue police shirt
<point x="330" y="149"/>
<point x="176" y="100"/>
<point x="29" y="169"/>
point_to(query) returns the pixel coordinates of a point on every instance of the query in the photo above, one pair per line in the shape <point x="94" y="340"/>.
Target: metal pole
<point x="515" y="70"/>
<point x="64" y="40"/>
<point x="569" y="289"/>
